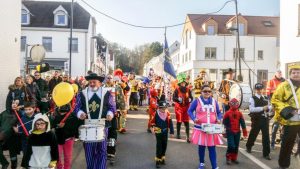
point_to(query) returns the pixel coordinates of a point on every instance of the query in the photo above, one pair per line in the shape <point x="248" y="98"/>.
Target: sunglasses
<point x="206" y="91"/>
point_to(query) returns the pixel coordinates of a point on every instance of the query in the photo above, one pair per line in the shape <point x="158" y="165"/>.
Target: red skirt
<point x="181" y="113"/>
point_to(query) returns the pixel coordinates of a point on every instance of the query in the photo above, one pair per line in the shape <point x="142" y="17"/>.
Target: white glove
<point x="190" y="100"/>
<point x="180" y="99"/>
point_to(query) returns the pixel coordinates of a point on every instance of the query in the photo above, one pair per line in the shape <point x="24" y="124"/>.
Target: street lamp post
<point x="71" y="39"/>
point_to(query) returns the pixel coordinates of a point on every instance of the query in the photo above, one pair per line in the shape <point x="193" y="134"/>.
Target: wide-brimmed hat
<point x="94" y="76"/>
<point x="229" y="71"/>
<point x="162" y="104"/>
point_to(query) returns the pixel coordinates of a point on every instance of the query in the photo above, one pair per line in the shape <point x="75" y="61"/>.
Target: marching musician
<point x="200" y="81"/>
<point x="286" y="103"/>
<point x="259" y="108"/>
<point x="182" y="97"/>
<point x="133" y="84"/>
<point x="225" y="88"/>
<point x="95" y="152"/>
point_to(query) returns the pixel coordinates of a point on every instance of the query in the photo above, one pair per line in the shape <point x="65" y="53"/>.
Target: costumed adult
<point x="182" y="97"/>
<point x="200" y="81"/>
<point x="133" y="84"/>
<point x="90" y="108"/>
<point x="286" y="103"/>
<point x="205" y="110"/>
<point x="225" y="88"/>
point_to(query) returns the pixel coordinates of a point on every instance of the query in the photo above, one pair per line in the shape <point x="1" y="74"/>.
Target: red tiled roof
<point x="255" y="24"/>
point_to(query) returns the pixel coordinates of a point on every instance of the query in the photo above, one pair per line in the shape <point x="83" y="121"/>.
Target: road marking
<point x="255" y="160"/>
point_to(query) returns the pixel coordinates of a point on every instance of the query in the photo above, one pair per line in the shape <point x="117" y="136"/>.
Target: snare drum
<point x="242" y="92"/>
<point x="212" y="128"/>
<point x="92" y="133"/>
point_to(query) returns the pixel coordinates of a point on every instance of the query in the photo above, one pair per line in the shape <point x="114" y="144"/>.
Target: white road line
<point x="252" y="158"/>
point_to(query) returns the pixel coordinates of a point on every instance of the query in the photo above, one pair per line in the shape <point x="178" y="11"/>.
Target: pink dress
<point x="199" y="137"/>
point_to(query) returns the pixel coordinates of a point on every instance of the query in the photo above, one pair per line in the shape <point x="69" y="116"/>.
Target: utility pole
<point x="71" y="39"/>
<point x="239" y="77"/>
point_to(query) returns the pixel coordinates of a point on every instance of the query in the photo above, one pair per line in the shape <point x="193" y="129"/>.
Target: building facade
<point x="48" y="23"/>
<point x="209" y="42"/>
<point x="289" y="33"/>
<point x="10" y="32"/>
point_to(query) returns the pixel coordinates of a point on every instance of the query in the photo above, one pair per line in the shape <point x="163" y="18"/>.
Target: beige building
<point x="10" y="32"/>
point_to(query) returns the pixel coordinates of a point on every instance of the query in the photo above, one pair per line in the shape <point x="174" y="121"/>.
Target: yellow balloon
<point x="62" y="94"/>
<point x="75" y="87"/>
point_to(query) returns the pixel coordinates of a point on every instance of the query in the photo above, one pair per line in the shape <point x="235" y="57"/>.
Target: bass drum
<point x="242" y="92"/>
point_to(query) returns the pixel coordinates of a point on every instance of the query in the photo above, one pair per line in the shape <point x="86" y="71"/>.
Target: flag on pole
<point x="168" y="66"/>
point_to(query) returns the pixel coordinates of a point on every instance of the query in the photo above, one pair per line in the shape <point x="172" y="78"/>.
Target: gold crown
<point x="294" y="66"/>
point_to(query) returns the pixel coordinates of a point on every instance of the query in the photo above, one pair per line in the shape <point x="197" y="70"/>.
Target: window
<point x="60" y="18"/>
<point x="186" y="57"/>
<point x="242" y="29"/>
<point x="25" y="17"/>
<point x="210" y="30"/>
<point x="210" y="53"/>
<point x="23" y="43"/>
<point x="47" y="43"/>
<point x="186" y="39"/>
<point x="262" y="76"/>
<point x="242" y="52"/>
<point x="74" y="44"/>
<point x="260" y="55"/>
<point x="190" y="55"/>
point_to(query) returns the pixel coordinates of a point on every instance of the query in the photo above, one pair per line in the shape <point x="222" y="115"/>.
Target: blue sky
<point x="161" y="13"/>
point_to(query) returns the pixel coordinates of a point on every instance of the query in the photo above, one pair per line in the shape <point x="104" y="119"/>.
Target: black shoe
<point x="163" y="162"/>
<point x="188" y="141"/>
<point x="157" y="164"/>
<point x="248" y="150"/>
<point x="178" y="137"/>
<point x="5" y="166"/>
<point x="148" y="130"/>
<point x="236" y="162"/>
<point x="228" y="162"/>
<point x="267" y="157"/>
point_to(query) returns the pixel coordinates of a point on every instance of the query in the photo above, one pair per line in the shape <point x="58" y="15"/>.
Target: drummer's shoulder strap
<point x="86" y="97"/>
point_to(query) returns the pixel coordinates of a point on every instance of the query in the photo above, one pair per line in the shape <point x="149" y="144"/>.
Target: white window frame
<point x="25" y="12"/>
<point x="73" y="51"/>
<point x="56" y="20"/>
<point x="45" y="46"/>
<point x="242" y="52"/>
<point x="209" y="49"/>
<point x="210" y="30"/>
<point x="242" y="29"/>
<point x="260" y="55"/>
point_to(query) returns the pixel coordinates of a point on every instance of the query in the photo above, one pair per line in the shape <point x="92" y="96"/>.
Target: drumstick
<point x="22" y="124"/>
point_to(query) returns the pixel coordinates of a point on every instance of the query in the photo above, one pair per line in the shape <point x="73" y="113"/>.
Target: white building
<point x="10" y="31"/>
<point x="48" y="23"/>
<point x="289" y="33"/>
<point x="156" y="63"/>
<point x="207" y="43"/>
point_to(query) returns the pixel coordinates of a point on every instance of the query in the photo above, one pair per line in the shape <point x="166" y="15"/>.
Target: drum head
<point x="242" y="92"/>
<point x="236" y="92"/>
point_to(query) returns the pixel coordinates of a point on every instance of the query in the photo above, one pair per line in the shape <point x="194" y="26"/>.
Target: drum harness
<point x="295" y="117"/>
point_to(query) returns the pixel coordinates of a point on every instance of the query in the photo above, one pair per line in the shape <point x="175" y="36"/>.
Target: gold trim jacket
<point x="284" y="104"/>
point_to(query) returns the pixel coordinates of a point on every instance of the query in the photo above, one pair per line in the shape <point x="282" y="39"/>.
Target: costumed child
<point x="66" y="125"/>
<point x="182" y="97"/>
<point x="233" y="120"/>
<point x="152" y="107"/>
<point x="42" y="150"/>
<point x="27" y="119"/>
<point x="161" y="123"/>
<point x="205" y="110"/>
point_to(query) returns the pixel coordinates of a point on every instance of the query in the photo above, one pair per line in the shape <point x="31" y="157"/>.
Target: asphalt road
<point x="136" y="150"/>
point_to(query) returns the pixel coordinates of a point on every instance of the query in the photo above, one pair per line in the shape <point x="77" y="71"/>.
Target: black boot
<point x="187" y="131"/>
<point x="178" y="126"/>
<point x="157" y="164"/>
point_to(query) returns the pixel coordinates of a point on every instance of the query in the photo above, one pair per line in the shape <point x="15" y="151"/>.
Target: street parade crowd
<point x="45" y="117"/>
